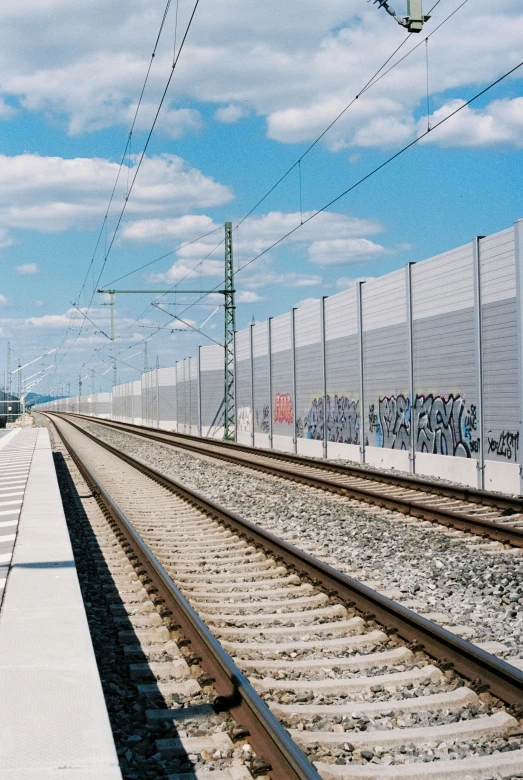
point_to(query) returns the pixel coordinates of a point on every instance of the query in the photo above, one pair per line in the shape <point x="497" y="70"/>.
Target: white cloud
<point x="259" y="279"/>
<point x="499" y="123"/>
<point x="307" y="302"/>
<point x="330" y="237"/>
<point x="86" y="63"/>
<point x="229" y="114"/>
<point x="248" y="296"/>
<point x="346" y="283"/>
<point x="6" y="111"/>
<point x="27" y="269"/>
<point x="5" y="239"/>
<point x="53" y="194"/>
<point x="183" y="270"/>
<point x="3" y="299"/>
<point x="344" y="250"/>
<point x="181" y="228"/>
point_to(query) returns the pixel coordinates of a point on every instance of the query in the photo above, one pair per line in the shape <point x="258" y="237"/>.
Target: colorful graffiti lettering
<point x="283" y="408"/>
<point x="343" y="420"/>
<point x="395" y="414"/>
<point x="442" y="425"/>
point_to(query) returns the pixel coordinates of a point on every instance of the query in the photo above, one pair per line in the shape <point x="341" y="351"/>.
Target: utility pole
<point x="145" y="359"/>
<point x="230" y="328"/>
<point x="92" y="381"/>
<point x="19" y="379"/>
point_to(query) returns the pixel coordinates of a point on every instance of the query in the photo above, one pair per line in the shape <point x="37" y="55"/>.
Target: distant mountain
<point x="33" y="398"/>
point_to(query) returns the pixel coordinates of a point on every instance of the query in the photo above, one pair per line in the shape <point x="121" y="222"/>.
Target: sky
<point x="254" y="86"/>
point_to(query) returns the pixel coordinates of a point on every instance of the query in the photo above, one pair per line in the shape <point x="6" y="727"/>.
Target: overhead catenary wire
<point x="142" y="155"/>
<point x="371" y="173"/>
<point x="380" y="73"/>
<point x="370" y="83"/>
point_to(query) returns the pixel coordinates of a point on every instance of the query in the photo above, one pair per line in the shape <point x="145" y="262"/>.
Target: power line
<point x="146" y="145"/>
<point x="370" y="83"/>
<point x="370" y="174"/>
<point x="162" y="257"/>
<point x="142" y="155"/>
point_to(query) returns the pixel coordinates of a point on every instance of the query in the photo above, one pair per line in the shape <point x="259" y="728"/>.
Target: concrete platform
<point x="53" y="718"/>
<point x="15" y="459"/>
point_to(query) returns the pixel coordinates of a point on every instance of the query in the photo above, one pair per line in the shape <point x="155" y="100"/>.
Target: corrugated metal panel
<point x="384" y="301"/>
<point x="343" y="370"/>
<point x="260" y="344"/>
<point x="193" y="381"/>
<point x="385" y="358"/>
<point x="282" y="405"/>
<point x="341" y="315"/>
<point x="498" y="267"/>
<point x="243" y="381"/>
<point x="501" y="402"/>
<point x="167" y="390"/>
<point x="443" y="283"/>
<point x="212" y="378"/>
<point x="307" y="324"/>
<point x="445" y="383"/>
<point x="281" y="333"/>
<point x="309" y="372"/>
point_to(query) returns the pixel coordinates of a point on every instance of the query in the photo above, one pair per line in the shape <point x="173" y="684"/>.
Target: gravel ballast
<point x="436" y="572"/>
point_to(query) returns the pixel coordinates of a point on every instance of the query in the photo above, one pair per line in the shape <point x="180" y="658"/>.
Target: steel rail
<point x="414" y="482"/>
<point x="507" y="534"/>
<point x="269" y="738"/>
<point x="483" y="669"/>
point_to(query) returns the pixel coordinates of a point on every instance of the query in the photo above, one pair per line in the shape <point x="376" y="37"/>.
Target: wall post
<point x="478" y="327"/>
<point x="362" y="394"/>
<point x="251" y="355"/>
<point x="293" y="358"/>
<point x="518" y="241"/>
<point x="324" y="373"/>
<point x="199" y="380"/>
<point x="269" y="350"/>
<point x="410" y="347"/>
<point x="157" y="398"/>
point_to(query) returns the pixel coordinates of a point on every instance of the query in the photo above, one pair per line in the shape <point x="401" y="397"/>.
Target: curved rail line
<point x="493" y="516"/>
<point x="238" y="558"/>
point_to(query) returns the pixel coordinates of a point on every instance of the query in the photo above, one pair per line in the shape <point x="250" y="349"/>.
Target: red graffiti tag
<point x="283" y="409"/>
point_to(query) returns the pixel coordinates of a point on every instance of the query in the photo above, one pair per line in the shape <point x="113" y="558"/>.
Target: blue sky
<point x="256" y="84"/>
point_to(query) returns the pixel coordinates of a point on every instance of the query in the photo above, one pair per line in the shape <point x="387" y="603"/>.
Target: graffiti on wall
<point x="262" y="420"/>
<point x="245" y="419"/>
<point x="343" y="420"/>
<point x="283" y="408"/>
<point x="506" y="446"/>
<point x="394" y="422"/>
<point x="442" y="424"/>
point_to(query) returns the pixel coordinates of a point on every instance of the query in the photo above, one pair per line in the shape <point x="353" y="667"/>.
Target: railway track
<point x="492" y="516"/>
<point x="366" y="688"/>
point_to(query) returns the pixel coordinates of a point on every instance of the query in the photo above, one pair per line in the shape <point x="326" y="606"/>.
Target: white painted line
<point x="3" y="580"/>
<point x="7" y="523"/>
<point x="10" y="503"/>
<point x="10" y="495"/>
<point x="5" y="557"/>
<point x="7" y="538"/>
<point x="10" y="511"/>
